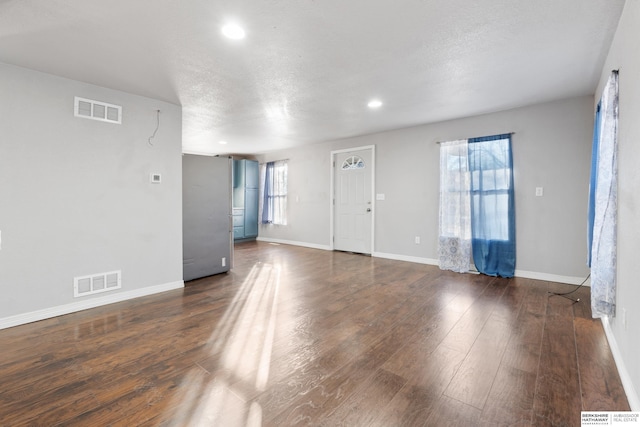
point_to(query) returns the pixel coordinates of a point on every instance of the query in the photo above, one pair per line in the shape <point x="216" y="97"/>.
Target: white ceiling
<point x="307" y="68"/>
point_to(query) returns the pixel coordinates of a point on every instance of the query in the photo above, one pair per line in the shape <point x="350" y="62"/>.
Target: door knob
<point x="368" y="209"/>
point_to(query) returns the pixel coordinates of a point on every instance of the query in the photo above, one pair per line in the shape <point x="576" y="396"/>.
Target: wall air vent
<point x="97" y="110"/>
<point x="96" y="283"/>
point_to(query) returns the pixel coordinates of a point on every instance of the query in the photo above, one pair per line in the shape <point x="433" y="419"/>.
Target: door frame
<point x="332" y="167"/>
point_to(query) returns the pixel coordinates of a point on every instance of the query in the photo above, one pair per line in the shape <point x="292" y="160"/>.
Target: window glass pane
<point x="279" y="194"/>
<point x="491" y="181"/>
<point x="454" y="190"/>
<point x="487" y="155"/>
<point x="491" y="219"/>
<point x="502" y="179"/>
<point x="353" y="162"/>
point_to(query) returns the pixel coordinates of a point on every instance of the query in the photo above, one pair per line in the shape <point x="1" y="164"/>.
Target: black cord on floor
<point x="564" y="294"/>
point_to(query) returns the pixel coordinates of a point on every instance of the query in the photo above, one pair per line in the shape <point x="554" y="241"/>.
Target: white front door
<point x="353" y="208"/>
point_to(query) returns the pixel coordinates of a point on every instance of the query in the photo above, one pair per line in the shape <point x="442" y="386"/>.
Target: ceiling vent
<point x="97" y="110"/>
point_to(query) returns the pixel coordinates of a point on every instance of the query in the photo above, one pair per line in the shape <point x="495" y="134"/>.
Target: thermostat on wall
<point x="156" y="178"/>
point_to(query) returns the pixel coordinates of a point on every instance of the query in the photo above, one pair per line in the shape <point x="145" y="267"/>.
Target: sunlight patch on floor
<point x="243" y="344"/>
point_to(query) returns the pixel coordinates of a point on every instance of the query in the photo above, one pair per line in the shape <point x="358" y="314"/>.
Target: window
<point x="274" y="194"/>
<point x="477" y="211"/>
<point x="454" y="192"/>
<point x="353" y="162"/>
<point x="490" y="186"/>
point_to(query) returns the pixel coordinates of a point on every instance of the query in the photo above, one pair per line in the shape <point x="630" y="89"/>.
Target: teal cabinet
<point x="250" y="213"/>
<point x="245" y="199"/>
<point x="251" y="174"/>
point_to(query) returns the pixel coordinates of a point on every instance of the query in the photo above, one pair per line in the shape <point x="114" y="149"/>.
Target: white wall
<point x="308" y="196"/>
<point x="552" y="149"/>
<point x="75" y="196"/>
<point x="623" y="55"/>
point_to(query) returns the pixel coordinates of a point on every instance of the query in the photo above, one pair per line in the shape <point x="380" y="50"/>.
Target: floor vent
<point x="97" y="110"/>
<point x="96" y="283"/>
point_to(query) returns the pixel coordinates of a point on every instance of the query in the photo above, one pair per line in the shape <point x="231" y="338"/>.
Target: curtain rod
<point x="507" y="133"/>
<point x="281" y="160"/>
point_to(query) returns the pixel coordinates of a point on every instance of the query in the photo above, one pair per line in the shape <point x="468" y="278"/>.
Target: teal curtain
<point x="593" y="181"/>
<point x="493" y="234"/>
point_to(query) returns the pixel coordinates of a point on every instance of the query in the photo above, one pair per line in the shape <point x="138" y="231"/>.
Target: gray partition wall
<point x="206" y="207"/>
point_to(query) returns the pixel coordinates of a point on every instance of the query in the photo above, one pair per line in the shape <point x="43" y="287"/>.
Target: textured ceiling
<point x="307" y="68"/>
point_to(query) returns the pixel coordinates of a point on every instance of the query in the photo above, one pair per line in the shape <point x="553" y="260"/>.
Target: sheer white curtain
<point x="604" y="245"/>
<point x="454" y="245"/>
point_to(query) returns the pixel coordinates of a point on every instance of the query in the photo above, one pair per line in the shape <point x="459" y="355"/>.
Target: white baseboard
<point x="294" y="243"/>
<point x="418" y="260"/>
<point x="627" y="383"/>
<point x="34" y="316"/>
<point x="571" y="280"/>
<point x="519" y="273"/>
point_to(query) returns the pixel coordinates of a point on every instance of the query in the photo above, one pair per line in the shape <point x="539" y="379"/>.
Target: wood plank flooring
<point x="297" y="336"/>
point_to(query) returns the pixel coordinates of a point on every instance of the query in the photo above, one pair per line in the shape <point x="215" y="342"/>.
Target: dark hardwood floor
<point x="297" y="336"/>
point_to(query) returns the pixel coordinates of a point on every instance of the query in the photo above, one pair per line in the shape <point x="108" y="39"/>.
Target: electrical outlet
<point x="539" y="191"/>
<point x="417" y="240"/>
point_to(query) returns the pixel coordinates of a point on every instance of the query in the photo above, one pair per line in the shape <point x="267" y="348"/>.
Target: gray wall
<point x="552" y="149"/>
<point x="75" y="196"/>
<point x="623" y="55"/>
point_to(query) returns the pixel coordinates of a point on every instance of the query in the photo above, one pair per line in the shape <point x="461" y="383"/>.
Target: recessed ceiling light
<point x="222" y="142"/>
<point x="233" y="31"/>
<point x="374" y="103"/>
